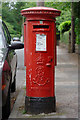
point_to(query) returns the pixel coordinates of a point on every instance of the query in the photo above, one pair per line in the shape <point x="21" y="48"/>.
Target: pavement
<point x="66" y="87"/>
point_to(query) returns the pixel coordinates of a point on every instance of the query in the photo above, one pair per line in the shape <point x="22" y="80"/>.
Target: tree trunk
<point x="73" y="30"/>
<point x="40" y="3"/>
<point x="69" y="44"/>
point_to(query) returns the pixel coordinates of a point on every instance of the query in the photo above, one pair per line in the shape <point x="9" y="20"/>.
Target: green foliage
<point x="76" y="9"/>
<point x="17" y="14"/>
<point x="11" y="14"/>
<point x="78" y="39"/>
<point x="13" y="33"/>
<point x="7" y="13"/>
<point x="64" y="26"/>
<point x="65" y="37"/>
<point x="77" y="30"/>
<point x="30" y="4"/>
<point x="24" y="112"/>
<point x="0" y="8"/>
<point x="64" y="7"/>
<point x="64" y="29"/>
<point x="10" y="28"/>
<point x="12" y="17"/>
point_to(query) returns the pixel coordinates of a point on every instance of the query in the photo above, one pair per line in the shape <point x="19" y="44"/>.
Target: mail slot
<point x="40" y="26"/>
<point x="40" y="59"/>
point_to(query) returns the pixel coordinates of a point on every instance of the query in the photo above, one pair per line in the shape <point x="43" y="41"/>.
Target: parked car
<point x="15" y="39"/>
<point x="8" y="65"/>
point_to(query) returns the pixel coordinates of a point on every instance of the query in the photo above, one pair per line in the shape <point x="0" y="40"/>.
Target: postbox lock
<point x="48" y="64"/>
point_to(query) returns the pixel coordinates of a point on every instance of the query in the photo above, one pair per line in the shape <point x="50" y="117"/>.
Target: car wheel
<point x="13" y="86"/>
<point x="7" y="108"/>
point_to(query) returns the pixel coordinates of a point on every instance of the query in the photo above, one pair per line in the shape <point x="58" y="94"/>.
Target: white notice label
<point x="40" y="42"/>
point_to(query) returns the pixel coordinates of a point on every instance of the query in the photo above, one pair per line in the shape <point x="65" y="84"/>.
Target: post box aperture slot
<point x="40" y="42"/>
<point x="40" y="26"/>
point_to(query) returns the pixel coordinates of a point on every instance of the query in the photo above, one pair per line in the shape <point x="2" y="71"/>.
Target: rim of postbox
<point x="41" y="10"/>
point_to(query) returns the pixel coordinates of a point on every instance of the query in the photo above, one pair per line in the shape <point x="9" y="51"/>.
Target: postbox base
<point x="37" y="105"/>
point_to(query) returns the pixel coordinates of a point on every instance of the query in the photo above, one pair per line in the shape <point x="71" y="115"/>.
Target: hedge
<point x="64" y="26"/>
<point x="65" y="37"/>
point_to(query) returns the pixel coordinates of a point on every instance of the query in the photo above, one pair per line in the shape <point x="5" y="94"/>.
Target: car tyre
<point x="7" y="108"/>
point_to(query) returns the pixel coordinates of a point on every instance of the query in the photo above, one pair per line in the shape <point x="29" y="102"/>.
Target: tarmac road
<point x="20" y="76"/>
<point x="66" y="84"/>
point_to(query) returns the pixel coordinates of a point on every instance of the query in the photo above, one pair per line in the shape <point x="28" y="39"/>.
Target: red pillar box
<point x="40" y="58"/>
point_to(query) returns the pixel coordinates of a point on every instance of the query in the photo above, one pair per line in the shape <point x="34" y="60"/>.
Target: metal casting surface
<point x="36" y="105"/>
<point x="40" y="50"/>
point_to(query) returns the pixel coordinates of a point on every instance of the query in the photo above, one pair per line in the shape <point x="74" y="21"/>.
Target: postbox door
<point x="42" y="73"/>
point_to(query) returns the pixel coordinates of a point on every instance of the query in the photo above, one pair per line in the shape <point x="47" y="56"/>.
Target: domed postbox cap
<point x="40" y="11"/>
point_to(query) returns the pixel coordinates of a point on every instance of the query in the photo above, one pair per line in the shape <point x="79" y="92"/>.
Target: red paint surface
<point x="24" y="44"/>
<point x="6" y="66"/>
<point x="40" y="65"/>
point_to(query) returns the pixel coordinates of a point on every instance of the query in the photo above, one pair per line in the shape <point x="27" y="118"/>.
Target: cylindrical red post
<point x="40" y="57"/>
<point x="24" y="44"/>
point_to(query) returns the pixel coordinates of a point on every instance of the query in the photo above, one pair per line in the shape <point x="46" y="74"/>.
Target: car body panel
<point x="5" y="74"/>
<point x="8" y="62"/>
